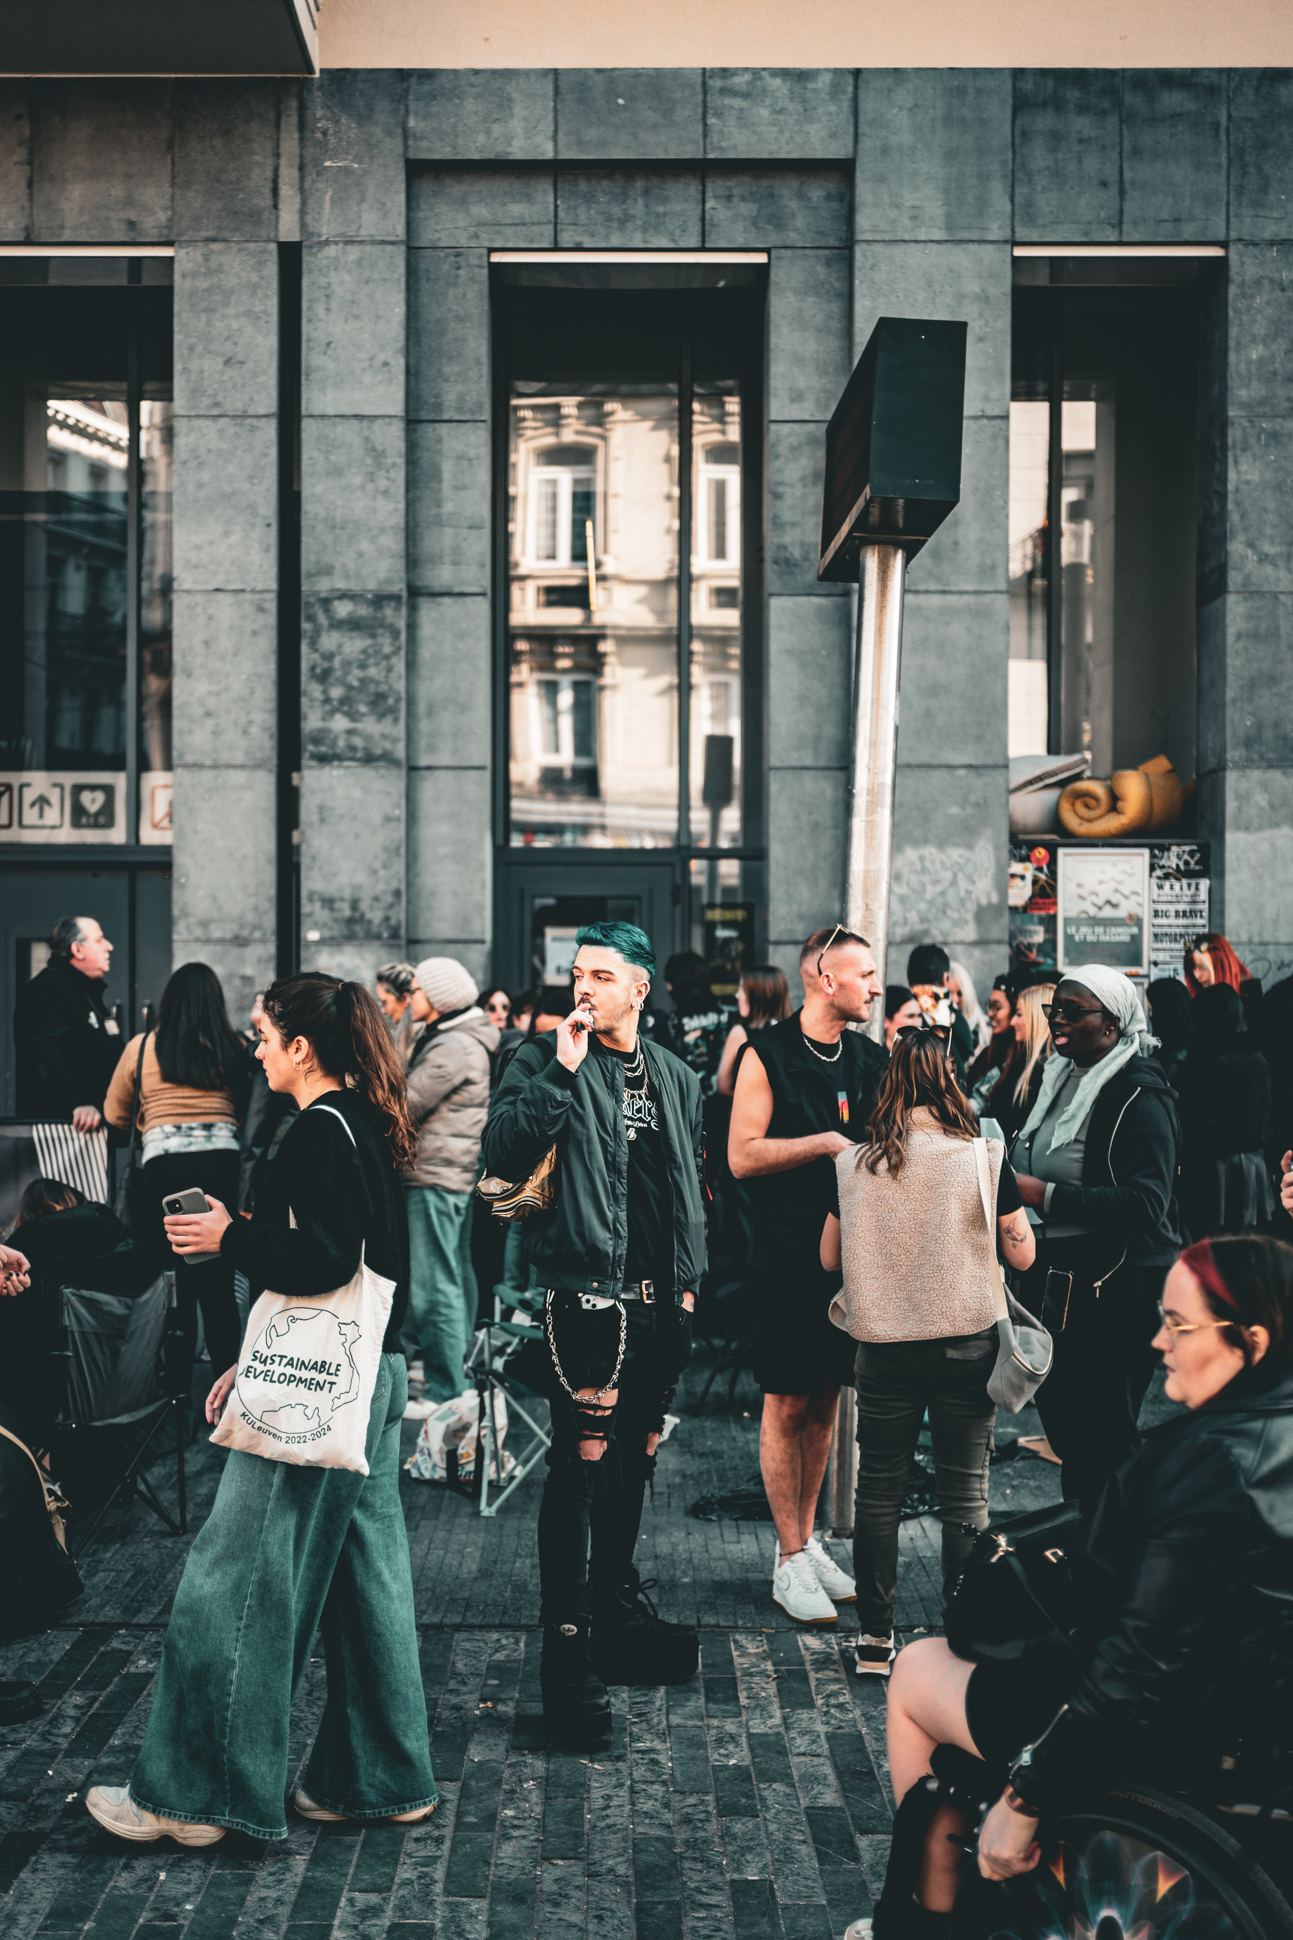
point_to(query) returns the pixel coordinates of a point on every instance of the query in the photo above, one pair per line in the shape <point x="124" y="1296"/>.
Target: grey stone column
<point x="758" y="121"/>
<point x="932" y="221"/>
<point x="1246" y="544"/>
<point x="353" y="569"/>
<point x="226" y="531"/>
<point x="477" y="122"/>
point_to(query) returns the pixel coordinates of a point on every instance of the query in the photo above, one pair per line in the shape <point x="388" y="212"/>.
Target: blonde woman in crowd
<point x="1015" y="1092"/>
<point x="960" y="988"/>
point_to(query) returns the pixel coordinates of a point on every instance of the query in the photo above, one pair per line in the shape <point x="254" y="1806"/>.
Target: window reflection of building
<point x="75" y="623"/>
<point x="715" y="778"/>
<point x="156" y="580"/>
<point x="594" y="643"/>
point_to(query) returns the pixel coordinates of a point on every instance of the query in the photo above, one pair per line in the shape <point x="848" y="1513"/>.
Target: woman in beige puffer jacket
<point x="448" y="1079"/>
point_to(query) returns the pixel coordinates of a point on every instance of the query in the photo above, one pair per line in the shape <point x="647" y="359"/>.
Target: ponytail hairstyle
<point x="919" y="1072"/>
<point x="350" y="1039"/>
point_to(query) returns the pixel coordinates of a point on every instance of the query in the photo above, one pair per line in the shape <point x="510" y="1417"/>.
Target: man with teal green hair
<point x="621" y="1253"/>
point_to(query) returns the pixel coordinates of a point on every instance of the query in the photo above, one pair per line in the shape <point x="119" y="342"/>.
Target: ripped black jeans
<point x="597" y="1505"/>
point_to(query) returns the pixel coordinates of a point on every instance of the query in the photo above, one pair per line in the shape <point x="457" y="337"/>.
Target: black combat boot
<point x="576" y="1707"/>
<point x="632" y="1644"/>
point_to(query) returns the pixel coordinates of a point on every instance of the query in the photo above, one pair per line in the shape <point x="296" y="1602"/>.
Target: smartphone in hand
<point x="190" y="1201"/>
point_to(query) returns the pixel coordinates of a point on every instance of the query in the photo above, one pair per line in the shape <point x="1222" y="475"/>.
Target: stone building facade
<point x="340" y="590"/>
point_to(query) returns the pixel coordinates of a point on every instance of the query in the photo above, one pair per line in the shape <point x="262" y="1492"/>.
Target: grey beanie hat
<point x="446" y="984"/>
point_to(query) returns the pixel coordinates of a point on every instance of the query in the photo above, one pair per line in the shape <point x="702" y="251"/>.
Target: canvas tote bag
<point x="1024" y="1348"/>
<point x="308" y="1371"/>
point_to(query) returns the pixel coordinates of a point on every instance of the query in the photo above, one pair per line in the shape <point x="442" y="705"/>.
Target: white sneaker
<point x="418" y="1409"/>
<point x="858" y="1929"/>
<point x="117" y="1812"/>
<point x="874" y="1655"/>
<point x="796" y="1589"/>
<point x="838" y="1585"/>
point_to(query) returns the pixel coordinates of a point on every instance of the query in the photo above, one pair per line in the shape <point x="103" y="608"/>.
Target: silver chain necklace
<point x="638" y="1067"/>
<point x="821" y="1055"/>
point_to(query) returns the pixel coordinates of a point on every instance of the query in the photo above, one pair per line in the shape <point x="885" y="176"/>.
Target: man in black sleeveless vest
<point x="803" y="1095"/>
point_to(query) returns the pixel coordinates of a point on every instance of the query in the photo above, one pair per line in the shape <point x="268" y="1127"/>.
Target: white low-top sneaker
<point x="796" y="1589"/>
<point x="838" y="1585"/>
<point x="418" y="1408"/>
<point x="117" y="1812"/>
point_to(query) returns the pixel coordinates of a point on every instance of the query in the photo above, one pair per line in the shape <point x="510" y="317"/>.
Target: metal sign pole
<point x="869" y="871"/>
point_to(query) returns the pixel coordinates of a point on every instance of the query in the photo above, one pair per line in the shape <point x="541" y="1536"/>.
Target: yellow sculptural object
<point x="1134" y="801"/>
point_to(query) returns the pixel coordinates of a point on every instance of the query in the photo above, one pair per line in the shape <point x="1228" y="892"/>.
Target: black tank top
<point x="808" y="1095"/>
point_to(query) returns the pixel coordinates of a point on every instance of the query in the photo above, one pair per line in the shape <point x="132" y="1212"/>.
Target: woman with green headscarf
<point x="1096" y="1162"/>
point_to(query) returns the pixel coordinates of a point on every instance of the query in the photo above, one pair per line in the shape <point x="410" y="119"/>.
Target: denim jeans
<point x="285" y="1551"/>
<point x="442" y="1306"/>
<point x="897" y="1381"/>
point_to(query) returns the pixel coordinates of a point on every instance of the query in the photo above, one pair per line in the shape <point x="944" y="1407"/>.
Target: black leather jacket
<point x="1185" y="1583"/>
<point x="1129" y="1167"/>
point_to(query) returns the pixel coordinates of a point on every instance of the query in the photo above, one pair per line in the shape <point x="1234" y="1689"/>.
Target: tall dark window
<point x="85" y="552"/>
<point x="1104" y="508"/>
<point x="630" y="593"/>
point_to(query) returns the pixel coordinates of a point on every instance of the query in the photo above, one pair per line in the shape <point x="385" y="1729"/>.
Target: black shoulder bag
<point x="1017" y="1589"/>
<point x="127" y="1184"/>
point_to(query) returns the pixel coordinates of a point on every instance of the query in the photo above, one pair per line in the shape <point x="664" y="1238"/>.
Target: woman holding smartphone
<point x="287" y="1549"/>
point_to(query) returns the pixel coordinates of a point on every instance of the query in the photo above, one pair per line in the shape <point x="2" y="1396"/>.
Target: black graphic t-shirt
<point x="648" y="1253"/>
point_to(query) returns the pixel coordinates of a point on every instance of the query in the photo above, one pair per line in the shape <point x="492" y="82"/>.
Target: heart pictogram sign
<point x="92" y="800"/>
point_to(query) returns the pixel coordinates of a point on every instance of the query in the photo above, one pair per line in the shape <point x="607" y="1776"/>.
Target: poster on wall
<point x="1103" y="909"/>
<point x="729" y="944"/>
<point x="1178" y="903"/>
<point x="1032" y="906"/>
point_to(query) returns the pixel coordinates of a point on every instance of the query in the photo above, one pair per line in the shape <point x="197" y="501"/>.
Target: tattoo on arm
<point x="1016" y="1232"/>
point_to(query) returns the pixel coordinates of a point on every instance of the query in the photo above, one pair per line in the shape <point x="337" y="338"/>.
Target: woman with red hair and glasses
<point x="1182" y="1614"/>
<point x="1209" y="959"/>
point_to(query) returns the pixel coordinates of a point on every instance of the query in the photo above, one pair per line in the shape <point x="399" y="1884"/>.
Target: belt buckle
<point x="648" y="1293"/>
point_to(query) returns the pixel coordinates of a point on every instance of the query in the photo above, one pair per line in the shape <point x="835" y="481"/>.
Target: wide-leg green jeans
<point x="284" y="1551"/>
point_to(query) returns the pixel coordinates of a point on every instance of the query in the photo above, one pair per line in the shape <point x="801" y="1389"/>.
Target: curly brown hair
<point x="920" y="1072"/>
<point x="351" y="1042"/>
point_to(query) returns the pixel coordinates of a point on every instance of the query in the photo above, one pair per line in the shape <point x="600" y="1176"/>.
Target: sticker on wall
<point x="156" y="790"/>
<point x="39" y="806"/>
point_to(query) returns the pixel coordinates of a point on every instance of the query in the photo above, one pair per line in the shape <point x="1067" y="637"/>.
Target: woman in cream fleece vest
<point x="917" y="1251"/>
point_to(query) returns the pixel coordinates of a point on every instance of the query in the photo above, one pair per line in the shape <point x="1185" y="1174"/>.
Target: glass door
<point x="628" y="720"/>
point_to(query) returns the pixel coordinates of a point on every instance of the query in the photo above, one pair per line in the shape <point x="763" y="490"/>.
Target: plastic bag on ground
<point x="453" y="1426"/>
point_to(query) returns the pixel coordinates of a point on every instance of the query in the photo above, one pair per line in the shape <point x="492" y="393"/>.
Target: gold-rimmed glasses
<point x="1175" y="1327"/>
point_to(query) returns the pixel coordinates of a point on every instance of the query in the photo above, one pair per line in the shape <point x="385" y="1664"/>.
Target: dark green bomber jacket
<point x="580" y="1243"/>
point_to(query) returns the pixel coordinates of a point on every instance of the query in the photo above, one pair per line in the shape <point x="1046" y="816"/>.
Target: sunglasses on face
<point x="1070" y="1012"/>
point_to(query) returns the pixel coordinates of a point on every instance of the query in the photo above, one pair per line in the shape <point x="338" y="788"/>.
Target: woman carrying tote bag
<point x="912" y="1239"/>
<point x="289" y="1546"/>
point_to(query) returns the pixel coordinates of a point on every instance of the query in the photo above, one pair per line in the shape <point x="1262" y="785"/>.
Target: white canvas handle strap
<point x="332" y="1109"/>
<point x="985" y="1193"/>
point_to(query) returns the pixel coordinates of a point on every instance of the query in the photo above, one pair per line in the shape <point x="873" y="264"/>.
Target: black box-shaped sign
<point x="893" y="447"/>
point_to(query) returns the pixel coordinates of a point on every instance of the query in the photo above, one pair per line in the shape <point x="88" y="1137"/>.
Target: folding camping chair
<point x="114" y="1351"/>
<point x="493" y="1345"/>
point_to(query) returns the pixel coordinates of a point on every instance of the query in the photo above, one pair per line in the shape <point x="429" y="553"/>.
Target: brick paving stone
<point x="752" y="1801"/>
